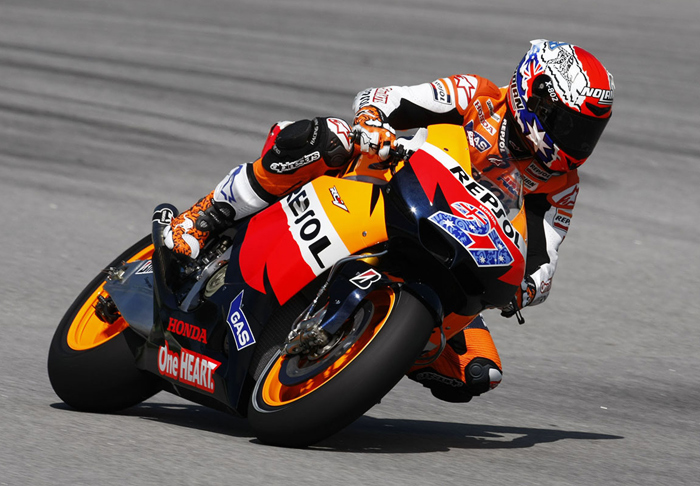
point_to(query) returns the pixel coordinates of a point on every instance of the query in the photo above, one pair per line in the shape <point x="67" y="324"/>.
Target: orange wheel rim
<point x="144" y="254"/>
<point x="87" y="330"/>
<point x="276" y="394"/>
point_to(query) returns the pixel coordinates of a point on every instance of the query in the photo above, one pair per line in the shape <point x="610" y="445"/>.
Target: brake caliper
<point x="307" y="337"/>
<point x="106" y="310"/>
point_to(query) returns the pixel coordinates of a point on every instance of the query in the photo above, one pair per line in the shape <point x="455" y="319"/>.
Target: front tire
<point x="91" y="363"/>
<point x="298" y="402"/>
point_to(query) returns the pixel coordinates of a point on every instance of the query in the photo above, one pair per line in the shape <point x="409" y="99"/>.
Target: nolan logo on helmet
<point x="604" y="96"/>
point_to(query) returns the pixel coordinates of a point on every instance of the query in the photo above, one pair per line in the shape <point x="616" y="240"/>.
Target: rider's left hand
<point x="523" y="297"/>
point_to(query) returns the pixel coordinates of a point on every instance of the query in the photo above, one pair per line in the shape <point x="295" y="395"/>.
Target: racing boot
<point x="188" y="232"/>
<point x="238" y="195"/>
<point x="468" y="366"/>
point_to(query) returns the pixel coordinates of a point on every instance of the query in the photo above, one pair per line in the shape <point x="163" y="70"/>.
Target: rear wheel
<point x="300" y="400"/>
<point x="91" y="362"/>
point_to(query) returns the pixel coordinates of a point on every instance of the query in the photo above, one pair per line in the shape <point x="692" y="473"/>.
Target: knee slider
<point x="296" y="136"/>
<point x="305" y="142"/>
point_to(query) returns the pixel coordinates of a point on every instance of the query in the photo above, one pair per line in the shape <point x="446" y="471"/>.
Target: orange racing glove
<point x="372" y="132"/>
<point x="522" y="298"/>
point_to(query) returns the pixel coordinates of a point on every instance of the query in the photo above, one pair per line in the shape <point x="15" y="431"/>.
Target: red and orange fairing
<point x="302" y="235"/>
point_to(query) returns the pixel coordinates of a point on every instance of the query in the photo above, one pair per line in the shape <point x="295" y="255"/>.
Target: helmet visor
<point x="574" y="133"/>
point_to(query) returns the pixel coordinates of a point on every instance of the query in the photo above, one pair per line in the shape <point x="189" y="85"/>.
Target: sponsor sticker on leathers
<point x="567" y="198"/>
<point x="466" y="87"/>
<point x="441" y="93"/>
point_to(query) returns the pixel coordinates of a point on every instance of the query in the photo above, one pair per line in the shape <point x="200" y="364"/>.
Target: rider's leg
<point x="294" y="154"/>
<point x="468" y="366"/>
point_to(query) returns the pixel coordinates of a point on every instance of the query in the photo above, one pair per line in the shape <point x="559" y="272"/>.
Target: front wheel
<point x="91" y="363"/>
<point x="299" y="401"/>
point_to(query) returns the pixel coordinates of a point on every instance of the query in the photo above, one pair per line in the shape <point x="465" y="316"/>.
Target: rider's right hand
<point x="373" y="134"/>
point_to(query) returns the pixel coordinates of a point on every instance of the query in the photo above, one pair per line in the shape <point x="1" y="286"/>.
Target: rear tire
<point x="313" y="406"/>
<point x="91" y="364"/>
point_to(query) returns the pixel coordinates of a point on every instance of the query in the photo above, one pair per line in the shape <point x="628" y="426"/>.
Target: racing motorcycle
<point x="303" y="316"/>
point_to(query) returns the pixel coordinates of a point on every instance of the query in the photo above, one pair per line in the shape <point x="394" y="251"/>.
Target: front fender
<point x="428" y="297"/>
<point x="358" y="279"/>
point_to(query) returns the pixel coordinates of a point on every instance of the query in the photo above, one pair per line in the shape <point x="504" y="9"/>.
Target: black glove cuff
<point x="217" y="217"/>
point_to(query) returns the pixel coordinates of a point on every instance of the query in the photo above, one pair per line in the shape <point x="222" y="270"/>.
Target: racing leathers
<point x="470" y="364"/>
<point x="297" y="153"/>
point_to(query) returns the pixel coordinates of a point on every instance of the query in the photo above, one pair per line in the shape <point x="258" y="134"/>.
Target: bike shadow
<point x="188" y="415"/>
<point x="382" y="435"/>
<point x="369" y="434"/>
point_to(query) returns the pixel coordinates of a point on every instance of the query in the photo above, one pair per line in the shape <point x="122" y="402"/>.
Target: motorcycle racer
<point x="547" y="121"/>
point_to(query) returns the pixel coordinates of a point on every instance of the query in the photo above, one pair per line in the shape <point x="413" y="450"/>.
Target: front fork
<point x="349" y="282"/>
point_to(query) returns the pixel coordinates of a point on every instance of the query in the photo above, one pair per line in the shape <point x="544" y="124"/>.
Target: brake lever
<point x="395" y="156"/>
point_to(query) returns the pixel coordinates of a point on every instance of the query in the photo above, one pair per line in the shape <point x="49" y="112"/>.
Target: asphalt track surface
<point x="109" y="108"/>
